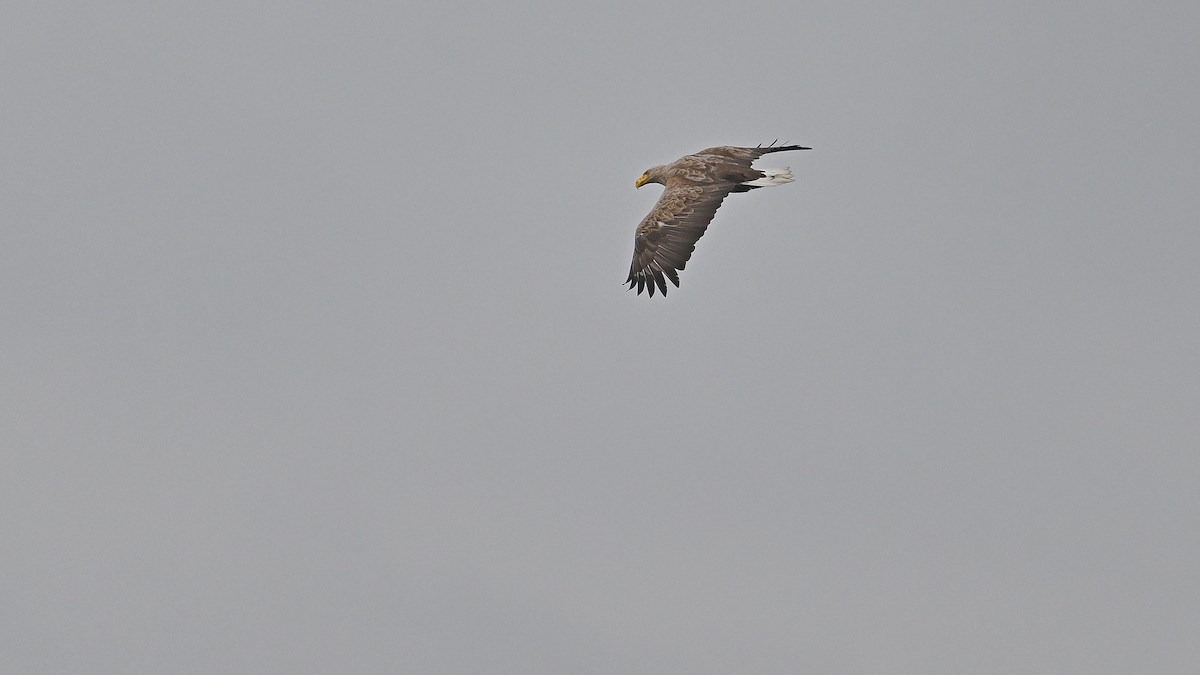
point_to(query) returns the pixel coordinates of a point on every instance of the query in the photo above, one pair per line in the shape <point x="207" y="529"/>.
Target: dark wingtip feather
<point x="662" y="283"/>
<point x="783" y="148"/>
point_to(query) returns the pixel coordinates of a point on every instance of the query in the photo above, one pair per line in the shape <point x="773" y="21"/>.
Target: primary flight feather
<point x="695" y="187"/>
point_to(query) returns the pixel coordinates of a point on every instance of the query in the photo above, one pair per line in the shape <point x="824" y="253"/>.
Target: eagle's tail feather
<point x="771" y="178"/>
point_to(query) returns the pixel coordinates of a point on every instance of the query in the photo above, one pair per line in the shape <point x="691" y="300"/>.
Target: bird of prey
<point x="695" y="186"/>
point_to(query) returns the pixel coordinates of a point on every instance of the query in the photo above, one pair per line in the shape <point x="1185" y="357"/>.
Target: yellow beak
<point x="641" y="181"/>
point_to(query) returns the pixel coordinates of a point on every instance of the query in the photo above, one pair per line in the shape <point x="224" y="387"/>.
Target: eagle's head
<point x="651" y="175"/>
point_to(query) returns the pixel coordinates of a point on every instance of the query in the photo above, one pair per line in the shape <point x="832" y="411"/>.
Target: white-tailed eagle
<point x="695" y="186"/>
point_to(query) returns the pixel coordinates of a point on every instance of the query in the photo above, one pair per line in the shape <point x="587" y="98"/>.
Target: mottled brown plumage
<point x="695" y="187"/>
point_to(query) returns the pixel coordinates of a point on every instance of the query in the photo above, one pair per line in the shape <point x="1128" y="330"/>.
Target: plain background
<point x="316" y="357"/>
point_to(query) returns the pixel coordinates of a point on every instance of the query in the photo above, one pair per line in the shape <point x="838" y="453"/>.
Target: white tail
<point x="773" y="177"/>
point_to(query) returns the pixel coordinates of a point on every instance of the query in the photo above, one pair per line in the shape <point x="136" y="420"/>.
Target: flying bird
<point x="695" y="187"/>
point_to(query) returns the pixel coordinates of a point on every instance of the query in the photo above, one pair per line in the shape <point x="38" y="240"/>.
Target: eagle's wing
<point x="745" y="156"/>
<point x="667" y="236"/>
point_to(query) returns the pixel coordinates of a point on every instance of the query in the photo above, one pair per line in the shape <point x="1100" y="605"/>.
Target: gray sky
<point x="316" y="355"/>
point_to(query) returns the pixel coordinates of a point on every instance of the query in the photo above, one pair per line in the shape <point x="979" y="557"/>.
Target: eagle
<point x="695" y="187"/>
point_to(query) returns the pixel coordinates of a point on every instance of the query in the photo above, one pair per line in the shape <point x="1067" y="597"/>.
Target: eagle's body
<point x="695" y="186"/>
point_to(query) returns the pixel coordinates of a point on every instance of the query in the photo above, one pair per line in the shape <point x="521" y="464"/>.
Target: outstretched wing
<point x="667" y="236"/>
<point x="745" y="156"/>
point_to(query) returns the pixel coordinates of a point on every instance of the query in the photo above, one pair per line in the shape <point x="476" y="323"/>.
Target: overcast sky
<point x="316" y="359"/>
